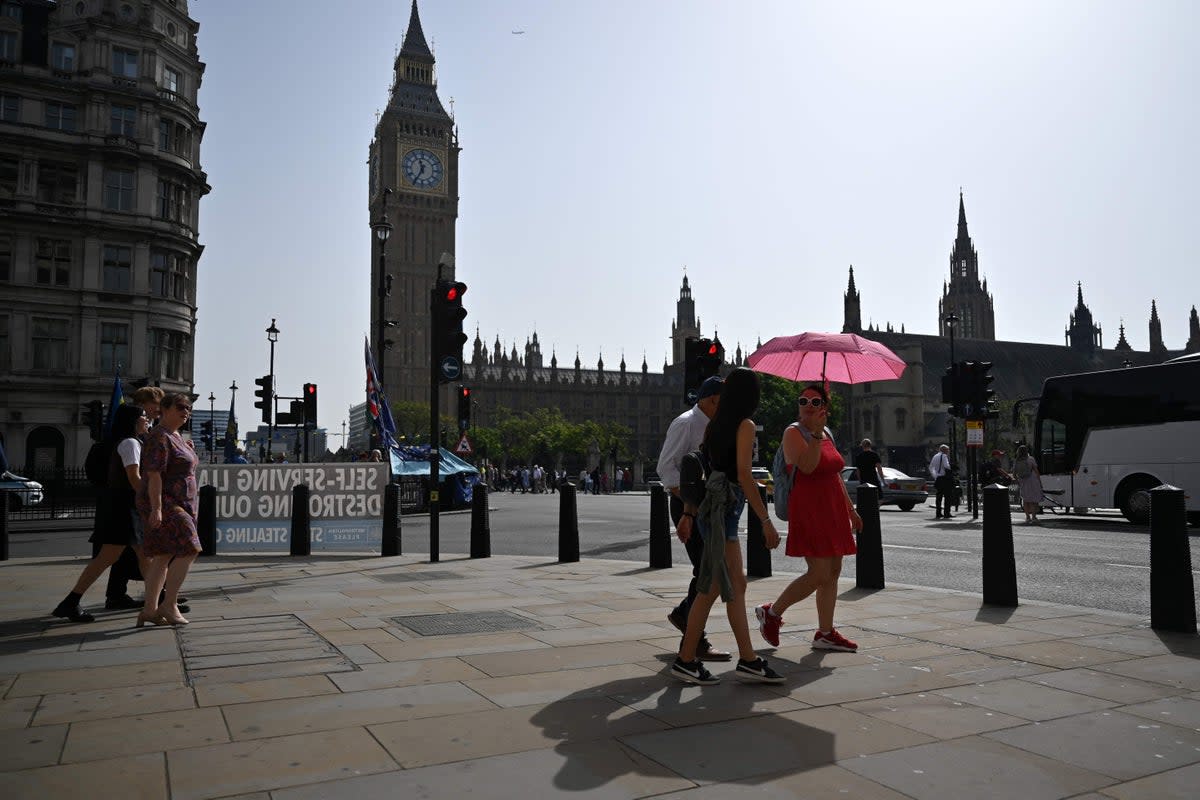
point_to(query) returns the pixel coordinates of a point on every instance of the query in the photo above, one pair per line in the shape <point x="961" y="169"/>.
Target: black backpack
<point x="693" y="475"/>
<point x="95" y="466"/>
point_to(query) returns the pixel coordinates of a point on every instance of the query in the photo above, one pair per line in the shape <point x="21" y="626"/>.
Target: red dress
<point x="818" y="522"/>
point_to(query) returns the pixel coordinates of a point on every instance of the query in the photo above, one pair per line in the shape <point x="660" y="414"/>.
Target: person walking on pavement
<point x="868" y="464"/>
<point x="729" y="446"/>
<point x="943" y="482"/>
<point x="684" y="435"/>
<point x="1030" y="482"/>
<point x="821" y="523"/>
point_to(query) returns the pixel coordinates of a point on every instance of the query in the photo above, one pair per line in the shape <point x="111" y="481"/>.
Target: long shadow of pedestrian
<point x="723" y="733"/>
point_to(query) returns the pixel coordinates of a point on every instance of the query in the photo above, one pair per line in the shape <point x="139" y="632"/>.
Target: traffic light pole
<point x="434" y="445"/>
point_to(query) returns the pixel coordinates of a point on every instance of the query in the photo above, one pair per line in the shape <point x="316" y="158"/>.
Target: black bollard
<point x="868" y="564"/>
<point x="1172" y="590"/>
<point x="999" y="563"/>
<point x="206" y="520"/>
<point x="481" y="524"/>
<point x="301" y="544"/>
<point x="758" y="557"/>
<point x="568" y="525"/>
<point x="660" y="528"/>
<point x="4" y="501"/>
<point x="392" y="544"/>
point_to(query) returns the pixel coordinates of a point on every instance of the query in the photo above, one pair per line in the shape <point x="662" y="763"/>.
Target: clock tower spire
<point x="415" y="154"/>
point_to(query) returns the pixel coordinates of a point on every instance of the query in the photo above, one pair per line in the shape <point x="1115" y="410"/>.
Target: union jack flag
<point x="377" y="405"/>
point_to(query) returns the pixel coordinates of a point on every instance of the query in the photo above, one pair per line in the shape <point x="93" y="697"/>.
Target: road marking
<point x="930" y="549"/>
<point x="1134" y="566"/>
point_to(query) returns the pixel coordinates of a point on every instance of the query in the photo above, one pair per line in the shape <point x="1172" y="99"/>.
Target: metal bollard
<point x="481" y="523"/>
<point x="206" y="520"/>
<point x="868" y="564"/>
<point x="4" y="501"/>
<point x="999" y="563"/>
<point x="392" y="544"/>
<point x="301" y="544"/>
<point x="660" y="528"/>
<point x="568" y="526"/>
<point x="758" y="557"/>
<point x="1172" y="590"/>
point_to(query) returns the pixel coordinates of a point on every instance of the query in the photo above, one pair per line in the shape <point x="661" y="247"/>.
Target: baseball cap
<point x="997" y="452"/>
<point x="710" y="387"/>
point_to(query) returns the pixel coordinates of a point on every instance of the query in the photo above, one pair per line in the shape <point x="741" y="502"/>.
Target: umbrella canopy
<point x="837" y="357"/>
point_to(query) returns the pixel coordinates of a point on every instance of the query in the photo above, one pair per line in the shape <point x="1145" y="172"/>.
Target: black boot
<point x="69" y="609"/>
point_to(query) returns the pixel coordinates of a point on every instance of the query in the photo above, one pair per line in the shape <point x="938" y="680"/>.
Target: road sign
<point x="974" y="433"/>
<point x="451" y="368"/>
<point x="463" y="448"/>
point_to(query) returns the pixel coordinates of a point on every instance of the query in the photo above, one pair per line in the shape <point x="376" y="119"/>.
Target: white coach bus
<point x="1103" y="439"/>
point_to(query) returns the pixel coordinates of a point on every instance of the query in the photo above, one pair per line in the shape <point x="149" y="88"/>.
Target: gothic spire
<point x="1157" y="346"/>
<point x="1079" y="294"/>
<point x="1122" y="342"/>
<point x="962" y="213"/>
<point x="414" y="46"/>
<point x="1193" y="342"/>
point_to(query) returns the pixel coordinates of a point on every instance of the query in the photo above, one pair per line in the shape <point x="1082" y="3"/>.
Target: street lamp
<point x="951" y="320"/>
<point x="230" y="426"/>
<point x="383" y="230"/>
<point x="272" y="337"/>
<point x="212" y="427"/>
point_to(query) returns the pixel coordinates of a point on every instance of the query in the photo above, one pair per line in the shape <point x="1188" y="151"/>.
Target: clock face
<point x="422" y="169"/>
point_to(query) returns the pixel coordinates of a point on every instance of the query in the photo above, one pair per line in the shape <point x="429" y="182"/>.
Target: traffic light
<point x="93" y="418"/>
<point x="206" y="434"/>
<point x="447" y="335"/>
<point x="464" y="407"/>
<point x="980" y="396"/>
<point x="266" y="395"/>
<point x="310" y="405"/>
<point x="701" y="360"/>
<point x="954" y="389"/>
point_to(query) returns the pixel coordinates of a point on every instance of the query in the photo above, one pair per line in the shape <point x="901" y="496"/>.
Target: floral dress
<point x="167" y="454"/>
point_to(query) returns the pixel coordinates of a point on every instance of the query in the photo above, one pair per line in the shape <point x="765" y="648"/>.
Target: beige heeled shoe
<point x="142" y="619"/>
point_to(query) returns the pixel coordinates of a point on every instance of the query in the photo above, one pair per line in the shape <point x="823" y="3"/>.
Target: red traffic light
<point x="452" y="293"/>
<point x="465" y="391"/>
<point x="712" y="349"/>
<point x="311" y="388"/>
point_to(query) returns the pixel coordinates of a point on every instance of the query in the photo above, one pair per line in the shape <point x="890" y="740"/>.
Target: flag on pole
<point x="377" y="405"/>
<point x="231" y="432"/>
<point x="118" y="397"/>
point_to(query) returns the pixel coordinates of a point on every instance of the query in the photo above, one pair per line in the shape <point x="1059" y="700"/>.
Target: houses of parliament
<point x="415" y="152"/>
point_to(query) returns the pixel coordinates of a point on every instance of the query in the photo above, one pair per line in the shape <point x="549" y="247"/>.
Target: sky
<point x="762" y="147"/>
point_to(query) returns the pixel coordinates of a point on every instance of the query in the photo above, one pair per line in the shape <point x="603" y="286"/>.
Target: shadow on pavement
<point x="1180" y="644"/>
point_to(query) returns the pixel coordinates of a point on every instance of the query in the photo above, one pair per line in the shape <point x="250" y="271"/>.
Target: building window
<point x="5" y="259"/>
<point x="5" y="347"/>
<point x="10" y="108"/>
<point x="49" y="344"/>
<point x="181" y="278"/>
<point x="168" y="354"/>
<point x="174" y="201"/>
<point x="866" y="419"/>
<point x="11" y="10"/>
<point x="9" y="171"/>
<point x="123" y="121"/>
<point x="60" y="116"/>
<point x="114" y="346"/>
<point x="118" y="189"/>
<point x="174" y="137"/>
<point x="62" y="57"/>
<point x="8" y="46"/>
<point x="118" y="268"/>
<point x="165" y="129"/>
<point x="171" y="276"/>
<point x="52" y="262"/>
<point x="901" y="419"/>
<point x="171" y="80"/>
<point x="57" y="182"/>
<point x="124" y="63"/>
<point x="160" y="275"/>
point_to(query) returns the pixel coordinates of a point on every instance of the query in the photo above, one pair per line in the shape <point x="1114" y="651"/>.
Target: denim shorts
<point x="732" y="515"/>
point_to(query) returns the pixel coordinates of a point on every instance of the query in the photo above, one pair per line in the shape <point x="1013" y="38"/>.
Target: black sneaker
<point x="73" y="613"/>
<point x="678" y="619"/>
<point x="693" y="673"/>
<point x="121" y="602"/>
<point x="757" y="671"/>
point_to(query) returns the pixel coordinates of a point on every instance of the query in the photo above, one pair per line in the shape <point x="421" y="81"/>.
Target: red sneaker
<point x="768" y="624"/>
<point x="834" y="641"/>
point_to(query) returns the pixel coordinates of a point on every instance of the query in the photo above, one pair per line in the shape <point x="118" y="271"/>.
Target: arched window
<point x="44" y="449"/>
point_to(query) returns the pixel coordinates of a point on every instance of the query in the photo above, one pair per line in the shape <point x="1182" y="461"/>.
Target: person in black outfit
<point x="868" y="464"/>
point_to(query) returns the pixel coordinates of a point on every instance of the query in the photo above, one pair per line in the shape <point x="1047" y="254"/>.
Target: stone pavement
<point x="331" y="677"/>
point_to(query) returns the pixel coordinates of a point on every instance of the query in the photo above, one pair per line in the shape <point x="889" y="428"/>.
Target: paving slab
<point x="1116" y="688"/>
<point x="121" y="701"/>
<point x="69" y="680"/>
<point x="935" y="715"/>
<point x="97" y="739"/>
<point x="1175" y="784"/>
<point x="1026" y="700"/>
<point x="126" y="778"/>
<point x="24" y="748"/>
<point x="221" y="694"/>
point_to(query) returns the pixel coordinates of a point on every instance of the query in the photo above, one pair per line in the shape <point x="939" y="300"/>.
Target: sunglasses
<point x="815" y="402"/>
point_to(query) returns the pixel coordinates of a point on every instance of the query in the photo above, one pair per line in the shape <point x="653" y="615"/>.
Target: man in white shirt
<point x="684" y="435"/>
<point x="943" y="482"/>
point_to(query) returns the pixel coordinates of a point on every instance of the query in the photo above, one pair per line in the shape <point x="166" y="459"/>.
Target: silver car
<point x="21" y="492"/>
<point x="898" y="489"/>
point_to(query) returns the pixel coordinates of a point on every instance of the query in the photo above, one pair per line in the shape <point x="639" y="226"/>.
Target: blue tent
<point x="413" y="462"/>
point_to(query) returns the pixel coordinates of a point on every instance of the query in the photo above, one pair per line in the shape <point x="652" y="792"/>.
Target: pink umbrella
<point x="837" y="357"/>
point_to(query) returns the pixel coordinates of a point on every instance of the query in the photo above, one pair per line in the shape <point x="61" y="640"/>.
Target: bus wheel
<point x="1133" y="498"/>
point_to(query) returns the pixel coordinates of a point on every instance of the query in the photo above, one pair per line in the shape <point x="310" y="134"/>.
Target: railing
<point x="65" y="494"/>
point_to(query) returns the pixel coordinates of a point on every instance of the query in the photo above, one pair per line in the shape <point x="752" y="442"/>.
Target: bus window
<point x="1052" y="457"/>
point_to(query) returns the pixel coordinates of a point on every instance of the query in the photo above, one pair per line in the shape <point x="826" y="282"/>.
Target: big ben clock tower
<point x="415" y="154"/>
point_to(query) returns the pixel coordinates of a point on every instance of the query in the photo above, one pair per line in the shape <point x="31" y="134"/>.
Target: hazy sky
<point x="764" y="146"/>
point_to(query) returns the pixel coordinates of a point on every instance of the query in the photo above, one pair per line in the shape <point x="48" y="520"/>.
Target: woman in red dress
<point x="167" y="503"/>
<point x="821" y="522"/>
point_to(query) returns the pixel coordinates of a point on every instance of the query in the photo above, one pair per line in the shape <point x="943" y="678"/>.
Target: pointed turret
<point x="685" y="325"/>
<point x="963" y="295"/>
<point x="962" y="208"/>
<point x="1193" y="342"/>
<point x="1082" y="334"/>
<point x="1157" y="347"/>
<point x="852" y="319"/>
<point x="1122" y="342"/>
<point x="415" y="46"/>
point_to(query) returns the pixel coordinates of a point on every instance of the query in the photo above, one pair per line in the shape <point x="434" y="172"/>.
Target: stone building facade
<point x="100" y="186"/>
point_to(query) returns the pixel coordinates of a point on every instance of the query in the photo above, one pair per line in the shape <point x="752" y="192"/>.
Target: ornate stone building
<point x="964" y="295"/>
<point x="100" y="186"/>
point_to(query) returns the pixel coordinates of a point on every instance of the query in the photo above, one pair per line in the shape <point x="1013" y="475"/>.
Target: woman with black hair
<point x="729" y="446"/>
<point x="821" y="521"/>
<point x="117" y="524"/>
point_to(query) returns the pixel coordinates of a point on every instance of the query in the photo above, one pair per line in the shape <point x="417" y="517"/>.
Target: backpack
<point x="95" y="465"/>
<point x="693" y="475"/>
<point x="783" y="477"/>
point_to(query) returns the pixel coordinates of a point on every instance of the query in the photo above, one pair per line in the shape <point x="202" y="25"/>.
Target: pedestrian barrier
<point x="1172" y="590"/>
<point x="868" y="563"/>
<point x="758" y="557"/>
<point x="392" y="544"/>
<point x="481" y="525"/>
<point x="568" y="526"/>
<point x="206" y="520"/>
<point x="301" y="540"/>
<point x="660" y="528"/>
<point x="999" y="562"/>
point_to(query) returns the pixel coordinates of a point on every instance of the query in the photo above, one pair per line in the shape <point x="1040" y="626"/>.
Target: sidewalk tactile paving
<point x="211" y="650"/>
<point x="465" y="622"/>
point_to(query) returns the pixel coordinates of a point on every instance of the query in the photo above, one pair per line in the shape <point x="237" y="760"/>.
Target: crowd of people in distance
<point x="537" y="479"/>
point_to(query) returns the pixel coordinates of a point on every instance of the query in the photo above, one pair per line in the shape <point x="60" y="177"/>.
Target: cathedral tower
<point x="853" y="317"/>
<point x="1157" y="346"/>
<point x="1082" y="334"/>
<point x="1193" y="342"/>
<point x="685" y="325"/>
<point x="964" y="295"/>
<point x="415" y="155"/>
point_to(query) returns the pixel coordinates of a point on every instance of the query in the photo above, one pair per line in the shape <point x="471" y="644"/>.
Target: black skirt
<point x="117" y="520"/>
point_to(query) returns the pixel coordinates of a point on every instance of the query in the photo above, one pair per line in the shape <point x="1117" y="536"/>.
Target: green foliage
<point x="777" y="409"/>
<point x="544" y="434"/>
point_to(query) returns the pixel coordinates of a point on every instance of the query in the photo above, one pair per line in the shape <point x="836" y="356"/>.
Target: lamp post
<point x="383" y="229"/>
<point x="212" y="426"/>
<point x="951" y="320"/>
<point x="272" y="337"/>
<point x="230" y="424"/>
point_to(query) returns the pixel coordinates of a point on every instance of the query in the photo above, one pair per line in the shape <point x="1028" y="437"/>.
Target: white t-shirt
<point x="130" y="451"/>
<point x="940" y="465"/>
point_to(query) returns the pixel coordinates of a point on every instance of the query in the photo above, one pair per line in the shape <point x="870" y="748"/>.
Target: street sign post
<point x="464" y="448"/>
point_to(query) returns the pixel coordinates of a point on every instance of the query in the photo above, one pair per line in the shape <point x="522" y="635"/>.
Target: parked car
<point x="21" y="492"/>
<point x="899" y="489"/>
<point x="764" y="478"/>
